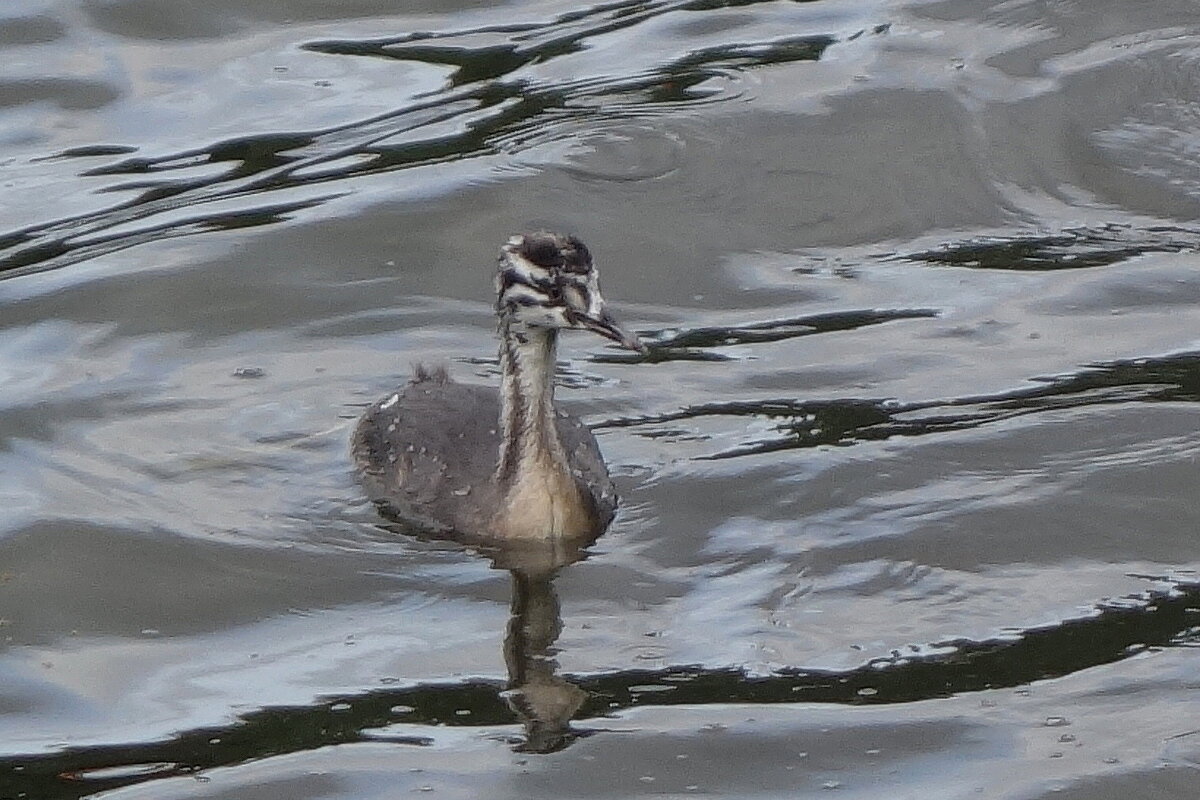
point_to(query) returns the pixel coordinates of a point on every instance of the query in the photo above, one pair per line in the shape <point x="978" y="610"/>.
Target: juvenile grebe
<point x="466" y="459"/>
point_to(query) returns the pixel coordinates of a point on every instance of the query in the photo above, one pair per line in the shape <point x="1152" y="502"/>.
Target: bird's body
<point x="504" y="464"/>
<point x="442" y="477"/>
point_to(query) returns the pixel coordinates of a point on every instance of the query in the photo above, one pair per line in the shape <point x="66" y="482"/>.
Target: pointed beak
<point x="608" y="327"/>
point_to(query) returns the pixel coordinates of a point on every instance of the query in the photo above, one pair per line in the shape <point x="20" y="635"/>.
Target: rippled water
<point x="909" y="474"/>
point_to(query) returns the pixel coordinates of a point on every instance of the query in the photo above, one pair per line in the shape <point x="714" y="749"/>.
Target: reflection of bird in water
<point x="544" y="701"/>
<point x="466" y="460"/>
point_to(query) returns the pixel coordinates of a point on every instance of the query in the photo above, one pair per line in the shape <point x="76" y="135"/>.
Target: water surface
<point x="908" y="475"/>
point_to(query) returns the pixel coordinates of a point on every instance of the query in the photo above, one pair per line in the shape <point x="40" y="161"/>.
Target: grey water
<point x="909" y="474"/>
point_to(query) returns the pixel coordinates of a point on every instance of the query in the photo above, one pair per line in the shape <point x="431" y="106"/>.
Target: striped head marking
<point x="547" y="280"/>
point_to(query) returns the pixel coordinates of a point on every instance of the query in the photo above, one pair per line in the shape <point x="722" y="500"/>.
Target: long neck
<point x="530" y="433"/>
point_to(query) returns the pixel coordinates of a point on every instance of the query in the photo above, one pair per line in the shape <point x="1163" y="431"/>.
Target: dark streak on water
<point x="846" y="421"/>
<point x="1071" y="249"/>
<point x="1115" y="631"/>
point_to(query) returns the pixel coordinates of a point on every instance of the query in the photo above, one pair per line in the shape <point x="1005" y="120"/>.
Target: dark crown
<point x="552" y="251"/>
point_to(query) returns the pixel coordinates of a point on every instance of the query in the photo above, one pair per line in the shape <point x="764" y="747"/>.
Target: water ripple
<point x="498" y="98"/>
<point x="414" y="715"/>
<point x="846" y="421"/>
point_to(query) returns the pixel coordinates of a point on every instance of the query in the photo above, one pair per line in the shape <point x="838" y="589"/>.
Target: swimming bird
<point x="488" y="465"/>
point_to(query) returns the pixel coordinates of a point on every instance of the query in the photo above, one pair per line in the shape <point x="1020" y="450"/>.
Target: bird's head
<point x="547" y="280"/>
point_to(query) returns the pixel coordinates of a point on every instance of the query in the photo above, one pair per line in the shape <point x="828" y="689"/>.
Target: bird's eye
<point x="554" y="293"/>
